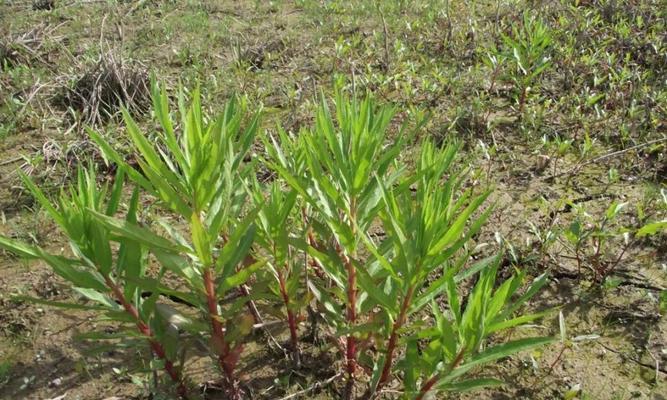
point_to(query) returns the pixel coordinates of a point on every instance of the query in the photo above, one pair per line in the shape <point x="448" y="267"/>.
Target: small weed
<point x="527" y="49"/>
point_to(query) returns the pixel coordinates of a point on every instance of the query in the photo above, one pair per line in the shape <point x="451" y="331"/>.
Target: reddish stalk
<point x="226" y="358"/>
<point x="393" y="338"/>
<point x="522" y="100"/>
<point x="351" y="346"/>
<point x="291" y="320"/>
<point x="428" y="385"/>
<point x="145" y="330"/>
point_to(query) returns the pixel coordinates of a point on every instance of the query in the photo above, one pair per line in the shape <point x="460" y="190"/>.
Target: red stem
<point x="220" y="346"/>
<point x="394" y="337"/>
<point x="351" y="349"/>
<point x="522" y="100"/>
<point x="291" y="318"/>
<point x="145" y="330"/>
<point x="427" y="387"/>
<point x="434" y="379"/>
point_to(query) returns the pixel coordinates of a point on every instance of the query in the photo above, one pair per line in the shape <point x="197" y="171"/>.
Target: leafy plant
<point x="108" y="280"/>
<point x="592" y="238"/>
<point x="352" y="179"/>
<point x="203" y="180"/>
<point x="285" y="267"/>
<point x="377" y="242"/>
<point x="527" y="47"/>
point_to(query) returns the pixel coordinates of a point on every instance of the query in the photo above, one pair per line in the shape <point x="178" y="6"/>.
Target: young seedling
<point x="275" y="227"/>
<point x="593" y="237"/>
<point x="528" y="48"/>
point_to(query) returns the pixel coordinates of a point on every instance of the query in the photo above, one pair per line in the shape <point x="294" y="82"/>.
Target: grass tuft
<point x="103" y="90"/>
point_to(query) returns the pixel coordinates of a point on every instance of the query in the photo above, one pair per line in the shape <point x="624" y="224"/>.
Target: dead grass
<point x="43" y="5"/>
<point x="98" y="94"/>
<point x="24" y="48"/>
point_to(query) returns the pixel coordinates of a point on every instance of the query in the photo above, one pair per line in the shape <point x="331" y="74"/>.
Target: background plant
<point x="601" y="242"/>
<point x="528" y="49"/>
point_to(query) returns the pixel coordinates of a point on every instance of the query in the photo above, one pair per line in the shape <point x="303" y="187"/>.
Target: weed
<point x="344" y="177"/>
<point x="527" y="49"/>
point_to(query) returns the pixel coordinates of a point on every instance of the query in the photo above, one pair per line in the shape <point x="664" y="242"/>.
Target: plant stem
<point x="145" y="330"/>
<point x="434" y="379"/>
<point x="291" y="320"/>
<point x="220" y="346"/>
<point x="427" y="386"/>
<point x="522" y="100"/>
<point x="351" y="316"/>
<point x="393" y="338"/>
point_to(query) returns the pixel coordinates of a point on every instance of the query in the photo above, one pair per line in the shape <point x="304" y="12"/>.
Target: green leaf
<point x="614" y="209"/>
<point x="652" y="228"/>
<point x="239" y="243"/>
<point x="497" y="352"/>
<point x="359" y="329"/>
<point x="376" y="292"/>
<point x="498" y="326"/>
<point x="97" y="297"/>
<point x="177" y="264"/>
<point x="152" y="158"/>
<point x="116" y="192"/>
<point x="68" y="269"/>
<point x="535" y="287"/>
<point x="71" y="306"/>
<point x="201" y="241"/>
<point x="455" y="231"/>
<point x="240" y="277"/>
<point x="134" y="232"/>
<point x="20" y="249"/>
<point x="111" y="154"/>
<point x="130" y="261"/>
<point x="43" y="201"/>
<point x="410" y="371"/>
<point x="470" y="384"/>
<point x="475" y="268"/>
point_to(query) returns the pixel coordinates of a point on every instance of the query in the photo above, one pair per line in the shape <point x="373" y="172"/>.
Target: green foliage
<point x="106" y="278"/>
<point x="307" y="239"/>
<point x="600" y="242"/>
<point x="527" y="50"/>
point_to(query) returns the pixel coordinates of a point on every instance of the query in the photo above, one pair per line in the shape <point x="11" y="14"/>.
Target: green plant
<point x="286" y="269"/>
<point x="527" y="47"/>
<point x="5" y="372"/>
<point x="352" y="179"/>
<point x="378" y="241"/>
<point x="203" y="180"/>
<point x="94" y="272"/>
<point x="595" y="239"/>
